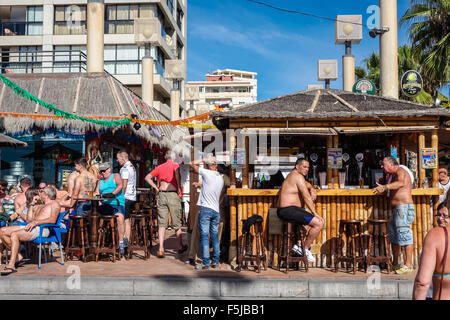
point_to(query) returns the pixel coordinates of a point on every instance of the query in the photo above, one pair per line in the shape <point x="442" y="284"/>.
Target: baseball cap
<point x="103" y="166"/>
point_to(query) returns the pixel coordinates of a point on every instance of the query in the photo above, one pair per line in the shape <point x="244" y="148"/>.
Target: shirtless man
<point x="37" y="215"/>
<point x="85" y="182"/>
<point x="20" y="202"/>
<point x="294" y="195"/>
<point x="71" y="181"/>
<point x="400" y="233"/>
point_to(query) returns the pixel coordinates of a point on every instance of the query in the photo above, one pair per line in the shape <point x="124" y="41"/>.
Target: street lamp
<point x="191" y="94"/>
<point x="327" y="71"/>
<point x="176" y="71"/>
<point x="147" y="32"/>
<point x="348" y="31"/>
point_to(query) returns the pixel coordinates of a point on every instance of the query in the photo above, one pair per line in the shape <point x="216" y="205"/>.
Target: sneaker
<point x="297" y="250"/>
<point x="310" y="256"/>
<point x="403" y="270"/>
<point x="396" y="267"/>
<point x="53" y="246"/>
<point x="214" y="265"/>
<point x="201" y="267"/>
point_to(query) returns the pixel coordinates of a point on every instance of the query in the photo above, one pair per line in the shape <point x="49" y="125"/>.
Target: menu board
<point x="238" y="159"/>
<point x="429" y="158"/>
<point x="334" y="158"/>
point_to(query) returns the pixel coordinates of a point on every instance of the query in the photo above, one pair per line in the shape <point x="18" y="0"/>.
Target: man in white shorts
<point x="37" y="215"/>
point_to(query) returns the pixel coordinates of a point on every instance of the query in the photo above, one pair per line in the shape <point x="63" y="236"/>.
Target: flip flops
<point x="11" y="270"/>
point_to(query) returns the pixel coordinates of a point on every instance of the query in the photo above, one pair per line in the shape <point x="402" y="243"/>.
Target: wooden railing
<point x="333" y="205"/>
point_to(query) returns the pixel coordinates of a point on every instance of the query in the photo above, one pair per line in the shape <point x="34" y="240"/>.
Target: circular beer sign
<point x="364" y="86"/>
<point x="411" y="83"/>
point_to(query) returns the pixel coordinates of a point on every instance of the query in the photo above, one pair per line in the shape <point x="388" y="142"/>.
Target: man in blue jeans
<point x="209" y="217"/>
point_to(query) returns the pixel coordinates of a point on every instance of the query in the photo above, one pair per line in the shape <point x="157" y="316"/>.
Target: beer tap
<point x="314" y="157"/>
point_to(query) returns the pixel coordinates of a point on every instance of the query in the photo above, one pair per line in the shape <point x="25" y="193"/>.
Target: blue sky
<point x="282" y="48"/>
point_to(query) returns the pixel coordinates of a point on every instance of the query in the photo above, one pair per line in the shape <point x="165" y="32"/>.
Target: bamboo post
<point x="246" y="169"/>
<point x="425" y="214"/>
<point x="434" y="144"/>
<point x="435" y="205"/>
<point x="319" y="238"/>
<point x="336" y="171"/>
<point x="352" y="208"/>
<point x="232" y="170"/>
<point x="419" y="223"/>
<point x="329" y="171"/>
<point x="402" y="150"/>
<point x="329" y="228"/>
<point x="414" y="231"/>
<point x="420" y="145"/>
<point x="254" y="212"/>
<point x="234" y="213"/>
<point x="324" y="230"/>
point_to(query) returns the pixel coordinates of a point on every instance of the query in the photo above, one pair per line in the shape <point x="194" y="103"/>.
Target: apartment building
<point x="50" y="36"/>
<point x="228" y="86"/>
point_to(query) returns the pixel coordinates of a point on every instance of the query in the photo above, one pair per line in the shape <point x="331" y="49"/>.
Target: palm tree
<point x="429" y="28"/>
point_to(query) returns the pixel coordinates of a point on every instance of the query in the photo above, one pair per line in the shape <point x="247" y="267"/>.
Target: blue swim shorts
<point x="400" y="232"/>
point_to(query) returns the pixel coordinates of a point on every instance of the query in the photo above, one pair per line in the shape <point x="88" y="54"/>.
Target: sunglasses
<point x="3" y="189"/>
<point x="445" y="216"/>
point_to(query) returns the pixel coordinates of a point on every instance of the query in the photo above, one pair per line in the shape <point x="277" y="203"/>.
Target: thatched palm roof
<point x="331" y="104"/>
<point x="85" y="94"/>
<point x="6" y="141"/>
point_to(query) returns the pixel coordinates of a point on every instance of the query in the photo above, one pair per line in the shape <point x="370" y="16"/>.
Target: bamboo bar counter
<point x="359" y="204"/>
<point x="336" y="131"/>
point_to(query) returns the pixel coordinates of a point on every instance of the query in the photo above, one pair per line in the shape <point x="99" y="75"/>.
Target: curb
<point x="216" y="288"/>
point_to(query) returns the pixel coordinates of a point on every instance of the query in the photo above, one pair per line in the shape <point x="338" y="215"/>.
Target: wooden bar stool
<point x="246" y="253"/>
<point x="384" y="243"/>
<point x="139" y="236"/>
<point x="77" y="237"/>
<point x="353" y="255"/>
<point x="108" y="237"/>
<point x="292" y="233"/>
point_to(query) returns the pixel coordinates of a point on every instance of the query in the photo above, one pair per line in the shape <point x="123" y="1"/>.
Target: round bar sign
<point x="364" y="86"/>
<point x="411" y="83"/>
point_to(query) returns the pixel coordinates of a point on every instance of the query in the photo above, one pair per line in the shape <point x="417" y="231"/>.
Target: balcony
<point x="43" y="61"/>
<point x="20" y="28"/>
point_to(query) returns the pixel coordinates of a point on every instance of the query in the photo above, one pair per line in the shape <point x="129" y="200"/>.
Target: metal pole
<point x="327" y="84"/>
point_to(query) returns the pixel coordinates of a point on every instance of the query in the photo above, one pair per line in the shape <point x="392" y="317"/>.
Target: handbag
<point x="444" y="260"/>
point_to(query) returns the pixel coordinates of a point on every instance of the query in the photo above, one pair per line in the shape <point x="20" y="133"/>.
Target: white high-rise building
<point x="50" y="36"/>
<point x="228" y="86"/>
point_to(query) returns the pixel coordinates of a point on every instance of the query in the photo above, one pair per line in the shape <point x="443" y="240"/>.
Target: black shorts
<point x="295" y="214"/>
<point x="129" y="207"/>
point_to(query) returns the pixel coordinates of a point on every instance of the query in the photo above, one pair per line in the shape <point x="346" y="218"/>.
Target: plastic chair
<point x="54" y="236"/>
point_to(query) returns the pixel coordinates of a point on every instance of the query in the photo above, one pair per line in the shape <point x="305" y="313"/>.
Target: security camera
<point x="377" y="31"/>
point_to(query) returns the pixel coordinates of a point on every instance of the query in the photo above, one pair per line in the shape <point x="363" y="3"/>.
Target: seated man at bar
<point x="293" y="196"/>
<point x="84" y="187"/>
<point x="110" y="187"/>
<point x="400" y="233"/>
<point x="38" y="215"/>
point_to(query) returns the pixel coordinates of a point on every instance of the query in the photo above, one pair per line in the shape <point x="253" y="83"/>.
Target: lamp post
<point x="146" y="32"/>
<point x="348" y="31"/>
<point x="191" y="94"/>
<point x="175" y="70"/>
<point x="388" y="49"/>
<point x="327" y="71"/>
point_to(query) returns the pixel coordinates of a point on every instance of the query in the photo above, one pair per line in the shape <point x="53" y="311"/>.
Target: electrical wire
<point x="302" y="13"/>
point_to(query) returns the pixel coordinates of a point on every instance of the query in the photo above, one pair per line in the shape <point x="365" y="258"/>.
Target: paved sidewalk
<point x="171" y="278"/>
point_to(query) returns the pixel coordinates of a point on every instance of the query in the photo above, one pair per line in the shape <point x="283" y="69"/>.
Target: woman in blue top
<point x="110" y="186"/>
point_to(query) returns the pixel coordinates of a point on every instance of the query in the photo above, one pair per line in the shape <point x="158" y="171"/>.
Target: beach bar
<point x="345" y="136"/>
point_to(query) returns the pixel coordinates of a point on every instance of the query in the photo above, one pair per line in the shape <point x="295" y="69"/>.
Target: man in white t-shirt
<point x="444" y="182"/>
<point x="209" y="216"/>
<point x="128" y="175"/>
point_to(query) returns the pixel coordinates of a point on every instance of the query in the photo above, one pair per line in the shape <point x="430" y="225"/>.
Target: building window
<point x="170" y="5"/>
<point x="179" y="50"/>
<point x="126" y="59"/>
<point x="69" y="59"/>
<point x="180" y="16"/>
<point x="120" y="18"/>
<point x="23" y="21"/>
<point x="70" y="20"/>
<point x="201" y="89"/>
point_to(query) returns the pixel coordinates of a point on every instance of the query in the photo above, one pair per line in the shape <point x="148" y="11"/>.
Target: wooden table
<point x="93" y="217"/>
